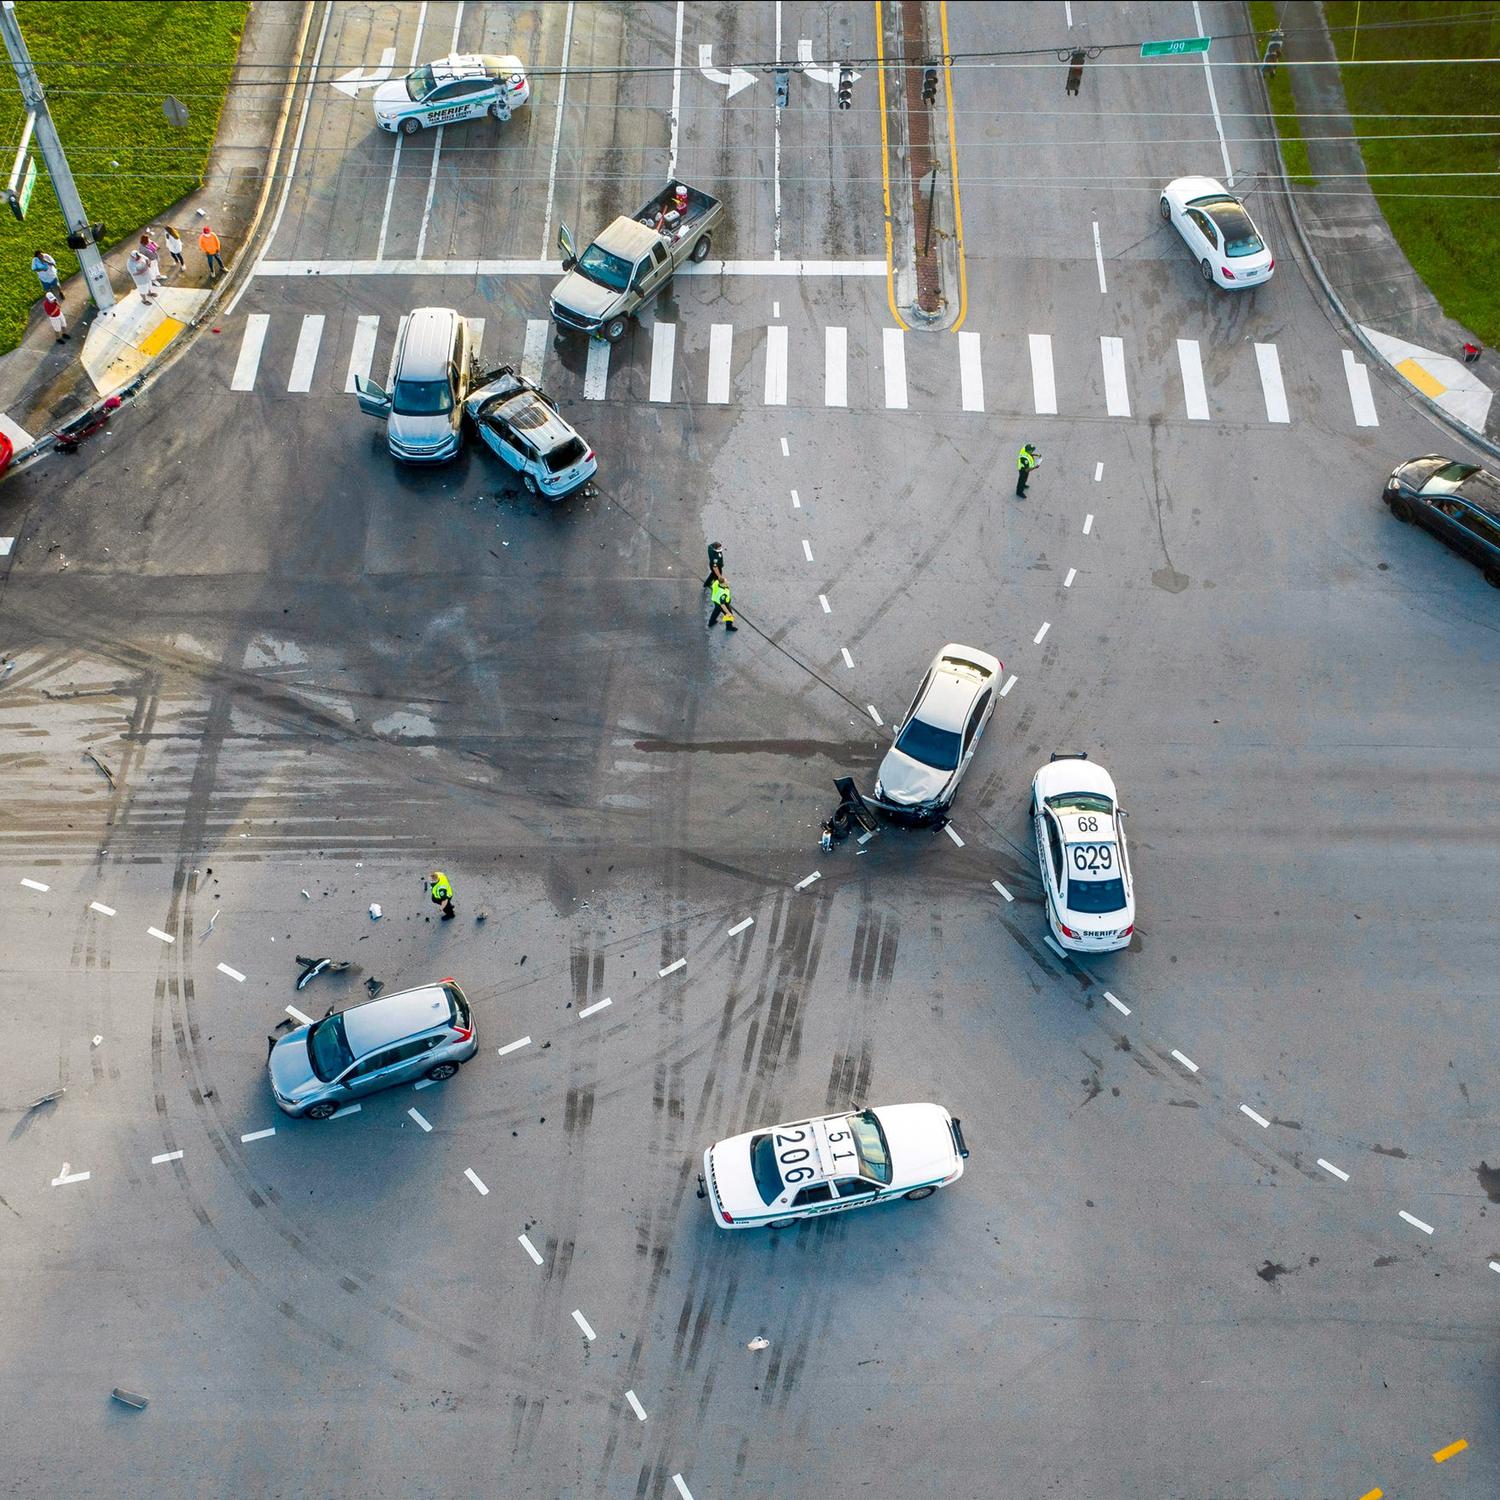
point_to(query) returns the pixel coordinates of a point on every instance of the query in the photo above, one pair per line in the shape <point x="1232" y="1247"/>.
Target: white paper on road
<point x="895" y="369"/>
<point x="534" y="351"/>
<point x="596" y="371"/>
<point x="663" y="352"/>
<point x="835" y="367"/>
<point x="1116" y="396"/>
<point x="776" y="365"/>
<point x="250" y="346"/>
<point x="362" y="355"/>
<point x="1271" y="387"/>
<point x="1043" y="386"/>
<point x="1359" y="392"/>
<point x="970" y="373"/>
<point x="1192" y="379"/>
<point x="720" y="345"/>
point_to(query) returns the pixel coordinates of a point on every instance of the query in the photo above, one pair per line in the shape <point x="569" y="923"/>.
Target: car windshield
<point x="420" y="84"/>
<point x="764" y="1169"/>
<point x="1094" y="802"/>
<point x="327" y="1049"/>
<point x="938" y="748"/>
<point x="421" y="398"/>
<point x="608" y="270"/>
<point x="1096" y="896"/>
<point x="870" y="1142"/>
<point x="1239" y="233"/>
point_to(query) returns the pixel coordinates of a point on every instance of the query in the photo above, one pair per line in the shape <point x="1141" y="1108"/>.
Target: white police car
<point x="461" y="87"/>
<point x="776" y="1176"/>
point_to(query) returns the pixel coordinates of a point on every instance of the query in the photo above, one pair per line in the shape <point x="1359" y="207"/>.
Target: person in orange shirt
<point x="208" y="243"/>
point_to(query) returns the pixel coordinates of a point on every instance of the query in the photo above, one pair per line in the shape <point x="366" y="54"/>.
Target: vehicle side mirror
<point x="569" y="262"/>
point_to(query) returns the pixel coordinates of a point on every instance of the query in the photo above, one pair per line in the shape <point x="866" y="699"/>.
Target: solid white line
<point x="848" y="660"/>
<point x="1359" y="392"/>
<point x="682" y="1488"/>
<point x="776" y="365"/>
<point x="741" y="926"/>
<point x="1118" y="1004"/>
<point x="562" y="89"/>
<point x="348" y="1109"/>
<point x="1187" y="1062"/>
<point x="598" y="1005"/>
<point x="160" y="936"/>
<point x="635" y="1406"/>
<point x="952" y="833"/>
<point x="671" y="968"/>
<point x="34" y="885"/>
<point x="251" y="344"/>
<point x="1098" y="471"/>
<point x="258" y="1135"/>
<point x="1043" y="386"/>
<point x="306" y="357"/>
<point x="720" y="346"/>
<point x="156" y="1161"/>
<point x="534" y="350"/>
<point x="529" y="1248"/>
<point x="676" y="94"/>
<point x="1328" y="1166"/>
<point x="776" y="156"/>
<point x="583" y="1323"/>
<point x="1260" y="1120"/>
<point x="1271" y="386"/>
<point x="362" y="355"/>
<point x="1068" y="581"/>
<point x="1193" y="391"/>
<point x="1099" y="259"/>
<point x="551" y="268"/>
<point x="1116" y="395"/>
<point x="418" y="1117"/>
<point x="807" y="880"/>
<point x="65" y="1177"/>
<point x="298" y="1017"/>
<point x="1088" y="523"/>
<point x="807" y="549"/>
<point x="1213" y="99"/>
<point x="473" y="1177"/>
<point x="1002" y="890"/>
<point x="835" y="367"/>
<point x="894" y="341"/>
<point x="596" y="370"/>
<point x="1010" y="682"/>
<point x="1415" y="1222"/>
<point x="876" y="716"/>
<point x="390" y="191"/>
<point x="823" y="600"/>
<point x="437" y="156"/>
<point x="796" y="501"/>
<point x="663" y="351"/>
<point x="970" y="372"/>
<point x="514" y="1046"/>
<point x="1036" y="640"/>
<point x="1068" y="13"/>
<point x="232" y="973"/>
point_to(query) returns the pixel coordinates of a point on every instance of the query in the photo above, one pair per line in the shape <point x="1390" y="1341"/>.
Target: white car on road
<point x="775" y="1176"/>
<point x="1217" y="227"/>
<point x="1080" y="845"/>
<point x="461" y="87"/>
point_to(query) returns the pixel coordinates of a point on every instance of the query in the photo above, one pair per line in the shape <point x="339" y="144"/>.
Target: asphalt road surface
<point x="1177" y="1264"/>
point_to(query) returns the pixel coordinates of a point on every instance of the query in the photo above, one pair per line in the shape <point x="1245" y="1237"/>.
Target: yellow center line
<point x="958" y="207"/>
<point x="1450" y="1450"/>
<point x="885" y="169"/>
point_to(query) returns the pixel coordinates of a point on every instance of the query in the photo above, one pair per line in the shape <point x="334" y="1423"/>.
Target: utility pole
<point x="80" y="231"/>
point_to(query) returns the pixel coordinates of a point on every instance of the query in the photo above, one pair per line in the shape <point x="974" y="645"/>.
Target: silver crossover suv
<point x="422" y="1033"/>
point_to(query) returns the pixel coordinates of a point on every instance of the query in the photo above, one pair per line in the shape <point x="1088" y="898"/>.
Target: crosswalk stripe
<point x="534" y="351"/>
<point x="362" y="355"/>
<point x="1359" y="392"/>
<point x="776" y="366"/>
<point x="596" y="371"/>
<point x="1043" y="386"/>
<point x="895" y="369"/>
<point x="663" y="351"/>
<point x="1192" y="379"/>
<point x="1269" y="363"/>
<point x="835" y="367"/>
<point x="306" y="357"/>
<point x="476" y="330"/>
<point x="251" y="344"/>
<point x="1116" y="396"/>
<point x="970" y="372"/>
<point x="720" y="346"/>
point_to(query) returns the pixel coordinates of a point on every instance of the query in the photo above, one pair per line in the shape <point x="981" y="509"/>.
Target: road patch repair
<point x="1440" y="377"/>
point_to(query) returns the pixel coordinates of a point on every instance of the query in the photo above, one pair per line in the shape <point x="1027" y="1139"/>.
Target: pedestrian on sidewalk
<point x="174" y="247"/>
<point x="719" y="593"/>
<point x="1472" y="352"/>
<point x="440" y="888"/>
<point x="715" y="563"/>
<point x="1026" y="460"/>
<point x="52" y="306"/>
<point x="138" y="264"/>
<point x="46" y="272"/>
<point x="150" y="250"/>
<point x="208" y="243"/>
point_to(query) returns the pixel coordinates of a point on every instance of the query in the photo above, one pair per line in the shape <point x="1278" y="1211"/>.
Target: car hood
<point x="587" y="298"/>
<point x="391" y="98"/>
<point x="290" y="1066"/>
<point x="420" y="432"/>
<point x="921" y="1140"/>
<point x="728" y="1165"/>
<point x="909" y="782"/>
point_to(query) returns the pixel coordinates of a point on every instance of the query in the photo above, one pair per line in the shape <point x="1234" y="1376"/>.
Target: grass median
<point x="1263" y="17"/>
<point x="107" y="69"/>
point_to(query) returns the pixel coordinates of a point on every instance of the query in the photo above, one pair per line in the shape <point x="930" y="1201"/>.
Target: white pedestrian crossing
<point x="251" y="345"/>
<point x="596" y="371"/>
<point x="1116" y="393"/>
<point x="776" y="365"/>
<point x="895" y="369"/>
<point x="1193" y="394"/>
<point x="534" y="350"/>
<point x="1359" y="392"/>
<point x="835" y="367"/>
<point x="663" y="354"/>
<point x="1268" y="361"/>
<point x="1043" y="385"/>
<point x="362" y="355"/>
<point x="306" y="358"/>
<point x="720" y="346"/>
<point x="970" y="372"/>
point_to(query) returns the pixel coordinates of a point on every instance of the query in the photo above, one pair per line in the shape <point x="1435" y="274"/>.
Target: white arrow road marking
<point x="829" y="76"/>
<point x="353" y="81"/>
<point x="736" y="79"/>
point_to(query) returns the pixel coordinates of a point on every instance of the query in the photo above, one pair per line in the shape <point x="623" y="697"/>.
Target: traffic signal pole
<point x="79" y="229"/>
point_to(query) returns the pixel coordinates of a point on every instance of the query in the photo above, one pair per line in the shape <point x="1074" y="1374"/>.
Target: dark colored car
<point x="1458" y="503"/>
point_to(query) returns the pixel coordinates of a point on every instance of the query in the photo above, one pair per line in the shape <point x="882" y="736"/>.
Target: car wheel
<point x="1492" y="577"/>
<point x="700" y="250"/>
<point x="441" y="1071"/>
<point x="781" y="1223"/>
<point x="528" y="483"/>
<point x="323" y="1110"/>
<point x="1166" y="210"/>
<point x="1208" y="271"/>
<point x="500" y="110"/>
<point x="614" y="330"/>
<point x="410" y="126"/>
<point x="1402" y="511"/>
<point x="917" y="1194"/>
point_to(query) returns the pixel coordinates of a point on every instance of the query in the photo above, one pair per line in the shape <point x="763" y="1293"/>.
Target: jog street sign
<point x="1172" y="49"/>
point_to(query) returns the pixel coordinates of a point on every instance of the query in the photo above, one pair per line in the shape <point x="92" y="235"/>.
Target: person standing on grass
<point x="46" y="272"/>
<point x="208" y="243"/>
<point x="174" y="247"/>
<point x="52" y="306"/>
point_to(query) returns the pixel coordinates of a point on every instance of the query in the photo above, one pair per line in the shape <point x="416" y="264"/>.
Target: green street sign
<point x="1172" y="49"/>
<point x="20" y="200"/>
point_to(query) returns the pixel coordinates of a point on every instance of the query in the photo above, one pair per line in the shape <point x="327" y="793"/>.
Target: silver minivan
<point x="422" y="1033"/>
<point x="431" y="370"/>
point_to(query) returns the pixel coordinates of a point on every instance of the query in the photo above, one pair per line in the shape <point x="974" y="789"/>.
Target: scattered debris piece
<point x="482" y="915"/>
<point x="130" y="1398"/>
<point x="375" y="912"/>
<point x="374" y="986"/>
<point x="306" y="896"/>
<point x="312" y="967"/>
<point x="98" y="1040"/>
<point x="212" y="920"/>
<point x="109" y="775"/>
<point x="51" y="1098"/>
<point x="759" y="1343"/>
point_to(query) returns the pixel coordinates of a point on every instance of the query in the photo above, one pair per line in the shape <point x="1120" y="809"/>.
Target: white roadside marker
<point x="635" y="1406"/>
<point x="1088" y="523"/>
<point x="1068" y="581"/>
<point x="807" y="880"/>
<point x="598" y="1005"/>
<point x="1260" y="1120"/>
<point x="1002" y="890"/>
<point x="741" y="926"/>
<point x="807" y="549"/>
<point x="156" y="1161"/>
<point x="823" y="600"/>
<point x="848" y="660"/>
<point x="1118" y="1004"/>
<point x="257" y="1135"/>
<point x="1098" y="471"/>
<point x="952" y="833"/>
<point x="34" y="885"/>
<point x="1416" y="1223"/>
<point x="583" y="1323"/>
<point x="101" y="908"/>
<point x="1187" y="1062"/>
<point x="348" y="1109"/>
<point x="1037" y="639"/>
<point x="874" y="715"/>
<point x="417" y="1116"/>
<point x="1010" y="682"/>
<point x="529" y="1248"/>
<point x="473" y="1177"/>
<point x="682" y="1488"/>
<point x="232" y="973"/>
<point x="671" y="968"/>
<point x="515" y="1046"/>
<point x="298" y="1017"/>
<point x="165" y="937"/>
<point x="64" y="1177"/>
<point x="1328" y="1166"/>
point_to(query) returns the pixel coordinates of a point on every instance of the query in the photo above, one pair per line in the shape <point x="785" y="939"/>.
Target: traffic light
<point x="81" y="239"/>
<point x="1075" y="70"/>
<point x="846" y="88"/>
<point x="929" y="86"/>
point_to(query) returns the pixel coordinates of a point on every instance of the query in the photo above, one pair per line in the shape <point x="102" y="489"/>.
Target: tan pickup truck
<point x="631" y="261"/>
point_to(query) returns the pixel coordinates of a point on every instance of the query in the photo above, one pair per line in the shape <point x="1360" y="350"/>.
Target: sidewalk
<point x="1359" y="256"/>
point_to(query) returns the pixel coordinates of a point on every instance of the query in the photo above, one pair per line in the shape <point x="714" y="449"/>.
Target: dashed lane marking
<point x="807" y="880"/>
<point x="1495" y="1265"/>
<point x="1098" y="471"/>
<point x="515" y="1046"/>
<point x="1338" y="1172"/>
<point x="807" y="549"/>
<point x="232" y="973"/>
<point x="590" y="1010"/>
<point x="529" y="1248"/>
<point x="1098" y="249"/>
<point x="583" y="1323"/>
<point x="65" y="1177"/>
<point x="1187" y="1062"/>
<point x="156" y="1161"/>
<point x="298" y="1017"/>
<point x="1088" y="523"/>
<point x="635" y="1405"/>
<point x="682" y="1488"/>
<point x="348" y="1109"/>
<point x="1260" y="1120"/>
<point x="257" y="1135"/>
<point x="874" y="715"/>
<point x="1037" y="639"/>
<point x="739" y="927"/>
<point x="823" y="600"/>
<point x="101" y="908"/>
<point x="1444" y="1454"/>
<point x="796" y="501"/>
<point x="785" y="451"/>
<point x="952" y="833"/>
<point x="1415" y="1222"/>
<point x="1010" y="682"/>
<point x="34" y="885"/>
<point x="1068" y="581"/>
<point x="848" y="660"/>
<point x="1002" y="890"/>
<point x="160" y="936"/>
<point x="420" y="1119"/>
<point x="1118" y="1004"/>
<point x="473" y="1177"/>
<point x="671" y="968"/>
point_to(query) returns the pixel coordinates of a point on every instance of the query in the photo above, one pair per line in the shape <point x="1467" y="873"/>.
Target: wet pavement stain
<point x="1489" y="1180"/>
<point x="1395" y="1151"/>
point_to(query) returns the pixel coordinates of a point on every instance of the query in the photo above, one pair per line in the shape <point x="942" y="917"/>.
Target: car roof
<point x="957" y="679"/>
<point x="527" y="412"/>
<point x="628" y="238"/>
<point x="472" y="65"/>
<point x="393" y="1018"/>
<point x="427" y="343"/>
<point x="1482" y="490"/>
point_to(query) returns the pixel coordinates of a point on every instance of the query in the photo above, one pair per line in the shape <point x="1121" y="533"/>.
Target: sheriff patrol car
<point x="775" y="1177"/>
<point x="461" y="87"/>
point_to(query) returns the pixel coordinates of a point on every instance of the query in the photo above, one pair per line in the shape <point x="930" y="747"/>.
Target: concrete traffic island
<point x="122" y="343"/>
